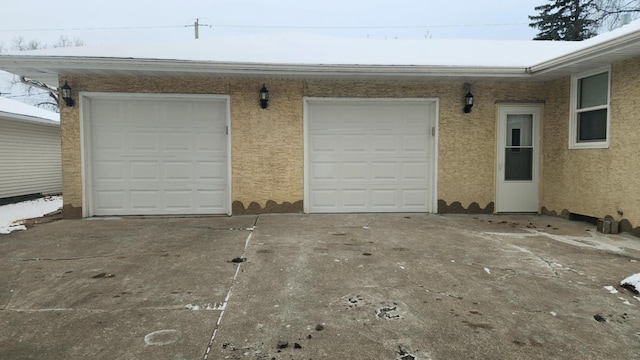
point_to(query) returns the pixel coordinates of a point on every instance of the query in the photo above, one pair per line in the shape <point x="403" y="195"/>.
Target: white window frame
<point x="573" y="121"/>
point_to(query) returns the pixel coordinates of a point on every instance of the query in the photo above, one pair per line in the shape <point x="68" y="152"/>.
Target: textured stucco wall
<point x="467" y="148"/>
<point x="596" y="182"/>
<point x="267" y="153"/>
<point x="267" y="145"/>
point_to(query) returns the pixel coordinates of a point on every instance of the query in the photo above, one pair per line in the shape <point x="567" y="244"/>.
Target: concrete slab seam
<point x="226" y="300"/>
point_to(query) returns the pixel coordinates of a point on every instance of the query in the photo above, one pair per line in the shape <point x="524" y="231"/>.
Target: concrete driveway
<point x="318" y="287"/>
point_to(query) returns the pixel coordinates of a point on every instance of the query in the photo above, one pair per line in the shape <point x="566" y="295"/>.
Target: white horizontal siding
<point x="30" y="159"/>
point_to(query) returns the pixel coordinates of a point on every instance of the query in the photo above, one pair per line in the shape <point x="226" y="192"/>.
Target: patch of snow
<point x="486" y="269"/>
<point x="196" y="307"/>
<point x="11" y="214"/>
<point x="624" y="301"/>
<point x="611" y="289"/>
<point x="312" y="49"/>
<point x="632" y="281"/>
<point x="13" y="107"/>
<point x="295" y="48"/>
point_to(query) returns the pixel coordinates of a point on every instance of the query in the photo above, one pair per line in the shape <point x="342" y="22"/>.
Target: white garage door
<point x="157" y="155"/>
<point x="370" y="155"/>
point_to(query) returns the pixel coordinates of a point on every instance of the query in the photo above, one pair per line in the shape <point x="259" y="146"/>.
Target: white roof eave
<point x="50" y="65"/>
<point x="603" y="51"/>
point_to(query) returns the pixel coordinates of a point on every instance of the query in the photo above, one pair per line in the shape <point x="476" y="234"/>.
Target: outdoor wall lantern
<point x="66" y="94"/>
<point x="264" y="97"/>
<point x="468" y="99"/>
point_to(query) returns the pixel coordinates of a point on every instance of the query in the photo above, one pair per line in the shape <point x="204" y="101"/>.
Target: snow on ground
<point x="632" y="281"/>
<point x="10" y="215"/>
<point x="611" y="289"/>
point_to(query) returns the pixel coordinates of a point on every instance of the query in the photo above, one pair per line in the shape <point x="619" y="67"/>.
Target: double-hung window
<point x="589" y="124"/>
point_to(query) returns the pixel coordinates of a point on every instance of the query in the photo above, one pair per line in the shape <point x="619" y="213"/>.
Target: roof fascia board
<point x="586" y="54"/>
<point x="67" y="65"/>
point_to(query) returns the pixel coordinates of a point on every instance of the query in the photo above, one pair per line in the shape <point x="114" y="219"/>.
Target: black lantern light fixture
<point x="468" y="99"/>
<point x="264" y="97"/>
<point x="65" y="91"/>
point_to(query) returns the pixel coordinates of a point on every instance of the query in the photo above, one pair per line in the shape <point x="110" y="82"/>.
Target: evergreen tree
<point x="568" y="20"/>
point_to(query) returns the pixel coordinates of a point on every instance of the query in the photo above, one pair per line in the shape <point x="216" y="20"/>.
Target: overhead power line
<point x="265" y="27"/>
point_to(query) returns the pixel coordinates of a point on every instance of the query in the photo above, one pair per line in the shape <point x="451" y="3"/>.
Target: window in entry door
<point x="519" y="148"/>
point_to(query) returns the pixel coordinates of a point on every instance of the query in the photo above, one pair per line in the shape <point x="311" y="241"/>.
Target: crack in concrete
<point x="431" y="291"/>
<point x="90" y="257"/>
<point x="226" y="300"/>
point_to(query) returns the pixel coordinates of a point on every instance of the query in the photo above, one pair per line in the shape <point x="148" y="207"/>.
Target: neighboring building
<point x="30" y="152"/>
<point x="351" y="126"/>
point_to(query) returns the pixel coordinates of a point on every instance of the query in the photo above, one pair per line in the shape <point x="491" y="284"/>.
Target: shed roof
<point x="18" y="111"/>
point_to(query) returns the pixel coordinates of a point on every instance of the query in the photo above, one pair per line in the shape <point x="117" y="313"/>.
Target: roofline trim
<point x="586" y="53"/>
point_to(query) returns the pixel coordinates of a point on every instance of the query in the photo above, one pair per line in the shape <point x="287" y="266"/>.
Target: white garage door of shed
<point x="158" y="155"/>
<point x="370" y="155"/>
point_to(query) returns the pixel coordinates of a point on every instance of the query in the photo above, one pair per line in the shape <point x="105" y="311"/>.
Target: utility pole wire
<point x="196" y="25"/>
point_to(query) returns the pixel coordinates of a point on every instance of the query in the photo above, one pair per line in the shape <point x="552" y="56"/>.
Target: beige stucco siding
<point x="267" y="145"/>
<point x="596" y="182"/>
<point x="268" y="157"/>
<point x="466" y="142"/>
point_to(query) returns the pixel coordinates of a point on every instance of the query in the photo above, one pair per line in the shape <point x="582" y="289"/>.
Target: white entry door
<point x="518" y="175"/>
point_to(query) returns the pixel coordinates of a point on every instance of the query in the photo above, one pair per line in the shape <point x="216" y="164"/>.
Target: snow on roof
<point x="16" y="110"/>
<point x="309" y="49"/>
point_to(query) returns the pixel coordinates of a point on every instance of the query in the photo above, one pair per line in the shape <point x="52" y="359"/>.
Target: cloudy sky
<point x="114" y="21"/>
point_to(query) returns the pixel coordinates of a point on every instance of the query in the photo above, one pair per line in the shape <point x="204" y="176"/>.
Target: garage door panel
<point x="354" y="199"/>
<point x="387" y="171"/>
<point x="144" y="200"/>
<point x="177" y="170"/>
<point x="211" y="142"/>
<point x="110" y="139"/>
<point x="355" y="143"/>
<point x="210" y="200"/>
<point x="325" y="198"/>
<point x="178" y="200"/>
<point x="322" y="171"/>
<point x="142" y="141"/>
<point x="385" y="144"/>
<point x="211" y="171"/>
<point x="354" y="171"/>
<point x="110" y="170"/>
<point x="111" y="200"/>
<point x="386" y="199"/>
<point x="177" y="141"/>
<point x="324" y="143"/>
<point x="143" y="170"/>
<point x="370" y="156"/>
<point x="414" y="171"/>
<point x="413" y="198"/>
<point x="414" y="144"/>
<point x="159" y="155"/>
